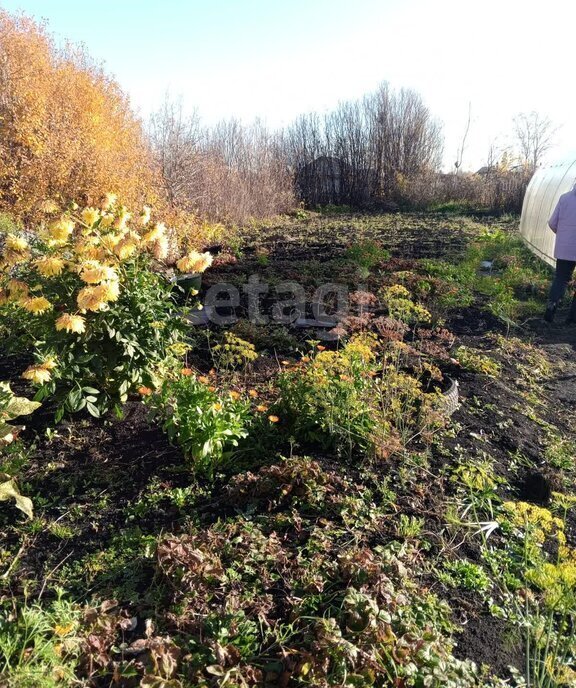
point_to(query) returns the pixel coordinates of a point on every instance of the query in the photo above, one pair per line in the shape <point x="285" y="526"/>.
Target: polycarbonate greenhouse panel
<point x="542" y="194"/>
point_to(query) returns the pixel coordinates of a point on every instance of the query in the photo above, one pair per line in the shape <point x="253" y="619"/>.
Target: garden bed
<point x="301" y="562"/>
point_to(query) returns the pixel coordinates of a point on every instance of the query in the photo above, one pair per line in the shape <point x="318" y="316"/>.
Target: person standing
<point x="563" y="224"/>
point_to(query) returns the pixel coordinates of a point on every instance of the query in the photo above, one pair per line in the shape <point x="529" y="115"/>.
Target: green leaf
<point x="20" y="406"/>
<point x="91" y="390"/>
<point x="74" y="399"/>
<point x="93" y="410"/>
<point x="8" y="490"/>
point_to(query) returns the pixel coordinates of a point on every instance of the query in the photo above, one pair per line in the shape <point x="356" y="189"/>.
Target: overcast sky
<point x="275" y="59"/>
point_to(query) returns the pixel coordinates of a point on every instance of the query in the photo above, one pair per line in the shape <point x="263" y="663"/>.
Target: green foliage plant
<point x="207" y="426"/>
<point x="39" y="645"/>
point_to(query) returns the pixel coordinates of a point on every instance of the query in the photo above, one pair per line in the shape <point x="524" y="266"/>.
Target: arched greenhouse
<point x="542" y="194"/>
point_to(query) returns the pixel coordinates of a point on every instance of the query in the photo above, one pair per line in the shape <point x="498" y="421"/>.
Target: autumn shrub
<point x="82" y="296"/>
<point x="66" y="128"/>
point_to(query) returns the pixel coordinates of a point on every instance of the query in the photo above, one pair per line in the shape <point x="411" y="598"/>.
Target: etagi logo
<point x="284" y="304"/>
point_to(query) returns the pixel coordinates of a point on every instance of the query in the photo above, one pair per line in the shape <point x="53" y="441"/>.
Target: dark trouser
<point x="564" y="270"/>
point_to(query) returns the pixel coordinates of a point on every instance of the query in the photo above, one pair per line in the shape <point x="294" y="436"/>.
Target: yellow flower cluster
<point x="541" y="521"/>
<point x="92" y="243"/>
<point x="16" y="243"/>
<point x="60" y="231"/>
<point x="49" y="266"/>
<point x="400" y="305"/>
<point x="94" y="272"/>
<point x="90" y="216"/>
<point x="558" y="581"/>
<point x="36" y="305"/>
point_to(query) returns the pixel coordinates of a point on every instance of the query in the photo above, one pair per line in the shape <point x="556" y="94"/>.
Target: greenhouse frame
<point x="542" y="194"/>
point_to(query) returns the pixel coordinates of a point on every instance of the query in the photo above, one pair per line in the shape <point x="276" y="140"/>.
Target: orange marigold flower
<point x="252" y="393"/>
<point x="235" y="395"/>
<point x="305" y="359"/>
<point x="273" y="419"/>
<point x="144" y="391"/>
<point x="203" y="379"/>
<point x="261" y="408"/>
<point x="211" y="388"/>
<point x="320" y="347"/>
<point x="186" y="372"/>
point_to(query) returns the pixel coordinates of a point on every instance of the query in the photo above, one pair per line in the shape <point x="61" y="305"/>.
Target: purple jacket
<point x="563" y="224"/>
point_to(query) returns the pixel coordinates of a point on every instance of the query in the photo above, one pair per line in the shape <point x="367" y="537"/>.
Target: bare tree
<point x="462" y="147"/>
<point x="175" y="141"/>
<point x="534" y="135"/>
<point x="226" y="172"/>
<point x="365" y="149"/>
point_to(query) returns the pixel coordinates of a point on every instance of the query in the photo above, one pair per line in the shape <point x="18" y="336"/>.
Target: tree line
<point x="67" y="131"/>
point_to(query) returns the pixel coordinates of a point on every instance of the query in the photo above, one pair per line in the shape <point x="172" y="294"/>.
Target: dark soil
<point x="91" y="471"/>
<point x="491" y="642"/>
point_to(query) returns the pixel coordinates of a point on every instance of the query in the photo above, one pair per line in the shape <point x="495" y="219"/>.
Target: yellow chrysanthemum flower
<point x="160" y="249"/>
<point x="49" y="266"/>
<point x="94" y="273"/>
<point x="110" y="241"/>
<point x="38" y="374"/>
<point x="16" y="243"/>
<point x="61" y="229"/>
<point x="109" y="291"/>
<point x="155" y="233"/>
<point x="144" y="217"/>
<point x="90" y="216"/>
<point x="107" y="220"/>
<point x="194" y="262"/>
<point x="36" y="305"/>
<point x="126" y="248"/>
<point x="17" y="289"/>
<point x="90" y="299"/>
<point x="109" y="200"/>
<point x="71" y="323"/>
